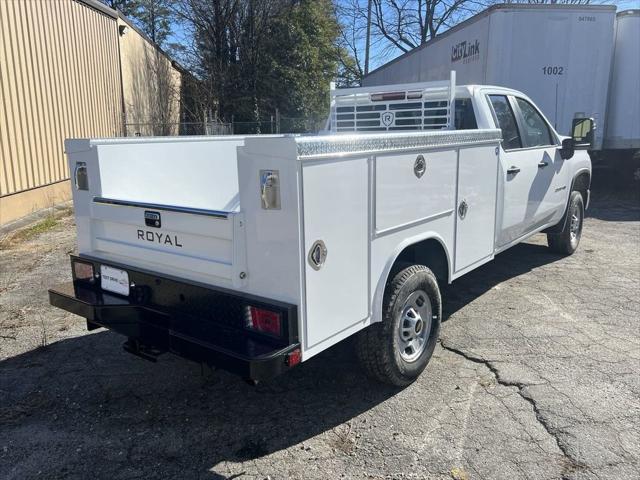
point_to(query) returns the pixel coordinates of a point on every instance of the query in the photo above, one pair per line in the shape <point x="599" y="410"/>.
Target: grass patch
<point x="34" y="230"/>
<point x="28" y="233"/>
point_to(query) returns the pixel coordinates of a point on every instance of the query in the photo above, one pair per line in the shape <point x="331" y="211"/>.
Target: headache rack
<point x="410" y="106"/>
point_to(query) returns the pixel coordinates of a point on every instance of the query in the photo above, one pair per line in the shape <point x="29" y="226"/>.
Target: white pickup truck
<point x="255" y="253"/>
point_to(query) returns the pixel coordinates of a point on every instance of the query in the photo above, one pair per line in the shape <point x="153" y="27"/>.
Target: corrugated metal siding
<point x="59" y="78"/>
<point x="151" y="87"/>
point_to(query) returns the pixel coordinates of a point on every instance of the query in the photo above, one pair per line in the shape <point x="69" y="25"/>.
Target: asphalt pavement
<point x="537" y="377"/>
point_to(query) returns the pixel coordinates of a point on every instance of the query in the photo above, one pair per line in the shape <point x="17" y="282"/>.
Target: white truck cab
<point x="254" y="253"/>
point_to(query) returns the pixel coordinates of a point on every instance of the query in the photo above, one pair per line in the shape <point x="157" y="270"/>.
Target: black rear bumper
<point x="193" y="321"/>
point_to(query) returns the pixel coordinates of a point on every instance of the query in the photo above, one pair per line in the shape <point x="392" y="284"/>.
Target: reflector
<point x="294" y="357"/>
<point x="264" y="321"/>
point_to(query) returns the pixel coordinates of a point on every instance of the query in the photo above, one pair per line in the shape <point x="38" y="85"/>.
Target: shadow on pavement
<point x="615" y="207"/>
<point x="84" y="405"/>
<point x="516" y="261"/>
<point x="615" y="196"/>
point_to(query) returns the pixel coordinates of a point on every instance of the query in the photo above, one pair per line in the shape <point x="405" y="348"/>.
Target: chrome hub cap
<point x="414" y="326"/>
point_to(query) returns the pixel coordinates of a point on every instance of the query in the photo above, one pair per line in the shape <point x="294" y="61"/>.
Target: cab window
<point x="506" y="121"/>
<point x="465" y="117"/>
<point x="535" y="130"/>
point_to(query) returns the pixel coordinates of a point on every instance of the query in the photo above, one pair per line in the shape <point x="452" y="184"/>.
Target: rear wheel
<point x="397" y="350"/>
<point x="567" y="241"/>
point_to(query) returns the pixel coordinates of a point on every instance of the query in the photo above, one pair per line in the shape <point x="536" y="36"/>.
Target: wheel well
<point x="581" y="184"/>
<point x="429" y="253"/>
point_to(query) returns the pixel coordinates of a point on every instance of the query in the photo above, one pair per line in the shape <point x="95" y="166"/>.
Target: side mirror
<point x="582" y="132"/>
<point x="568" y="148"/>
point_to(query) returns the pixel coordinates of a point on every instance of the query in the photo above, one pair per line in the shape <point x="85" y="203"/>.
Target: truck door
<point x="525" y="173"/>
<point x="550" y="182"/>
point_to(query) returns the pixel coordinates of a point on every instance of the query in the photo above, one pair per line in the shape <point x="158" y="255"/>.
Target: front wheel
<point x="567" y="241"/>
<point x="397" y="350"/>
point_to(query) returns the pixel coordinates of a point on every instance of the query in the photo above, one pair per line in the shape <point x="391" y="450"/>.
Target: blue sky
<point x="626" y="4"/>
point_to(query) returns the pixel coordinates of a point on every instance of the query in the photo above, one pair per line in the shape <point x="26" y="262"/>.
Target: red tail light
<point x="83" y="271"/>
<point x="264" y="321"/>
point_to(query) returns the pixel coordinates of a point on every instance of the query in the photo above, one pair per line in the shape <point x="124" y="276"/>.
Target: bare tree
<point x="407" y="24"/>
<point x="353" y="31"/>
<point x="229" y="37"/>
<point x="396" y="26"/>
<point x="211" y="24"/>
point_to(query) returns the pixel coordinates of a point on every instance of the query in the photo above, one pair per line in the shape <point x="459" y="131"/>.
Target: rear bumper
<point x="154" y="324"/>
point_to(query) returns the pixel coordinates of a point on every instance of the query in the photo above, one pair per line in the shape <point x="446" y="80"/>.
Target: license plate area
<point x="114" y="280"/>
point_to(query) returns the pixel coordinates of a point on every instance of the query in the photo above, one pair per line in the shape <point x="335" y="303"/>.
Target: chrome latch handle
<point x="419" y="166"/>
<point x="270" y="189"/>
<point x="317" y="254"/>
<point x="463" y="208"/>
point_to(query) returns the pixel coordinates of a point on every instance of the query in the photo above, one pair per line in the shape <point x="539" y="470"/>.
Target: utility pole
<point x="368" y="43"/>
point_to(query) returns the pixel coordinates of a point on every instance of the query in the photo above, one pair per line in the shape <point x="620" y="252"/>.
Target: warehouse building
<point x="72" y="68"/>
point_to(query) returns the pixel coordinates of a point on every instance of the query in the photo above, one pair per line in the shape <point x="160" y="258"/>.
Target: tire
<point x="386" y="349"/>
<point x="567" y="241"/>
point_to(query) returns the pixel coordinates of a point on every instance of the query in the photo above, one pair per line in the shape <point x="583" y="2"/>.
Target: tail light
<point x="264" y="321"/>
<point x="83" y="271"/>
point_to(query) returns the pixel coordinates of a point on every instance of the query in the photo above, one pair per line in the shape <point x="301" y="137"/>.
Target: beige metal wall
<point x="59" y="78"/>
<point x="151" y="86"/>
<point x="63" y="69"/>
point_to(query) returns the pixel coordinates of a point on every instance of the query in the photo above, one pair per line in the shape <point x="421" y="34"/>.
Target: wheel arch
<point x="581" y="182"/>
<point x="428" y="249"/>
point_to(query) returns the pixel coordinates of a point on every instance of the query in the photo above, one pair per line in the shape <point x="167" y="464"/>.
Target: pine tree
<point x="129" y="8"/>
<point x="154" y="18"/>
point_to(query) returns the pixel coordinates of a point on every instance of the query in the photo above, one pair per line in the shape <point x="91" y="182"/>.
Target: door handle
<point x="463" y="209"/>
<point x="543" y="164"/>
<point x="513" y="170"/>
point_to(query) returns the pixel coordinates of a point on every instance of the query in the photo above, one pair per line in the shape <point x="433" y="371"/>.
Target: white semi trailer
<point x="622" y="130"/>
<point x="562" y="56"/>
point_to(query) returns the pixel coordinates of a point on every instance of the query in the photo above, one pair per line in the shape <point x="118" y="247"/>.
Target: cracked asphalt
<point x="537" y="377"/>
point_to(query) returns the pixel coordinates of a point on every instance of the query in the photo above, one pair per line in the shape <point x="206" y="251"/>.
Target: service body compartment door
<point x="476" y="205"/>
<point x="411" y="188"/>
<point x="336" y="221"/>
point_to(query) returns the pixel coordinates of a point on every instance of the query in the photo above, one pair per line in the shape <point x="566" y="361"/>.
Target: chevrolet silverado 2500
<point x="255" y="253"/>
